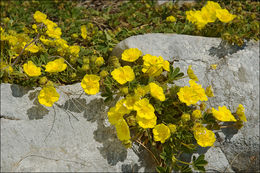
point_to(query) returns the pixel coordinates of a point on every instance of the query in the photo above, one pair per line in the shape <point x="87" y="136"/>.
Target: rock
<point x="235" y="81"/>
<point x="72" y="136"/>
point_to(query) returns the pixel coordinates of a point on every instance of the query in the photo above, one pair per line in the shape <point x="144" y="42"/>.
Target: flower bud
<point x="85" y="67"/>
<point x="73" y="75"/>
<point x="85" y="60"/>
<point x="43" y="80"/>
<point x="172" y="128"/>
<point x="103" y="73"/>
<point x="99" y="61"/>
<point x="202" y="106"/>
<point x="196" y="114"/>
<point x="185" y="117"/>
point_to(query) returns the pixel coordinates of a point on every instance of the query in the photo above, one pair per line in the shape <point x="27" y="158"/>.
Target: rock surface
<point x="235" y="81"/>
<point x="71" y="137"/>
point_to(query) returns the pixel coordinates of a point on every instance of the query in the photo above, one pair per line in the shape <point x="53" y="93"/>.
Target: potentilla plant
<point x="166" y="119"/>
<point x="150" y="109"/>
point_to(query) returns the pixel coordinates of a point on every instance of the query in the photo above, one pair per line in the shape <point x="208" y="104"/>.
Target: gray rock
<point x="72" y="136"/>
<point x="235" y="81"/>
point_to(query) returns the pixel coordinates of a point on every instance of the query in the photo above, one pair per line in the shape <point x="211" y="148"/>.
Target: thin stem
<point x="186" y="163"/>
<point x="158" y="163"/>
<point x="19" y="56"/>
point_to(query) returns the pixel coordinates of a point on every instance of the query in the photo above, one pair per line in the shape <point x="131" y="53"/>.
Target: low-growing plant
<point x="150" y="109"/>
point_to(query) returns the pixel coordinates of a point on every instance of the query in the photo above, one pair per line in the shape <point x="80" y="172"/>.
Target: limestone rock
<point x="71" y="137"/>
<point x="235" y="81"/>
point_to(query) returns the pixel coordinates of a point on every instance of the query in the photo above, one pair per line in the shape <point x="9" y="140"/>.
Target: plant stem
<point x="158" y="163"/>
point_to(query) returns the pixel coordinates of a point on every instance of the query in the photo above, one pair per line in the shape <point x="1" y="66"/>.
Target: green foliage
<point x="113" y="22"/>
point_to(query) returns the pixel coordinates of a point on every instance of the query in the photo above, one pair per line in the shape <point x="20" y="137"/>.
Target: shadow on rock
<point x="37" y="111"/>
<point x="76" y="105"/>
<point x="225" y="49"/>
<point x="19" y="91"/>
<point x="112" y="150"/>
<point x="229" y="132"/>
<point x="130" y="168"/>
<point x="145" y="159"/>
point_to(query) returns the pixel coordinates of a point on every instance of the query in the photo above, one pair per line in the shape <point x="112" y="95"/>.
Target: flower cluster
<point x="153" y="65"/>
<point x="208" y="14"/>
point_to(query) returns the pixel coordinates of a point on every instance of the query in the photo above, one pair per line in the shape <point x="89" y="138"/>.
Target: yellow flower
<point x="144" y="109"/>
<point x="121" y="107"/>
<point x="154" y="65"/>
<point x="209" y="91"/>
<point x="122" y="129"/>
<point x="210" y="10"/>
<point x="114" y="115"/>
<point x="83" y="29"/>
<point x="50" y="24"/>
<point x="193" y="94"/>
<point x="190" y="16"/>
<point x="90" y="84"/>
<point x="46" y="41"/>
<point x="170" y="19"/>
<point x="214" y="66"/>
<point x="172" y="128"/>
<point x="223" y="114"/>
<point x="5" y="67"/>
<point x="57" y="65"/>
<point x="74" y="50"/>
<point x="34" y="26"/>
<point x="124" y="90"/>
<point x="241" y="113"/>
<point x="61" y="43"/>
<point x="54" y="32"/>
<point x="200" y="92"/>
<point x="146" y="123"/>
<point x="99" y="61"/>
<point x="140" y="90"/>
<point x="187" y="95"/>
<point x="123" y="74"/>
<point x="130" y="101"/>
<point x="131" y="54"/>
<point x="191" y="74"/>
<point x="48" y="96"/>
<point x="201" y="19"/>
<point x="31" y="48"/>
<point x="31" y="69"/>
<point x="156" y="91"/>
<point x="224" y="16"/>
<point x="196" y="114"/>
<point x="39" y="16"/>
<point x="204" y="137"/>
<point x="166" y="65"/>
<point x="161" y="133"/>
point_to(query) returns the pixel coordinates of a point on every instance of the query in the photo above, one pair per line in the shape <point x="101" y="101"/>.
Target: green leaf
<point x="160" y="169"/>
